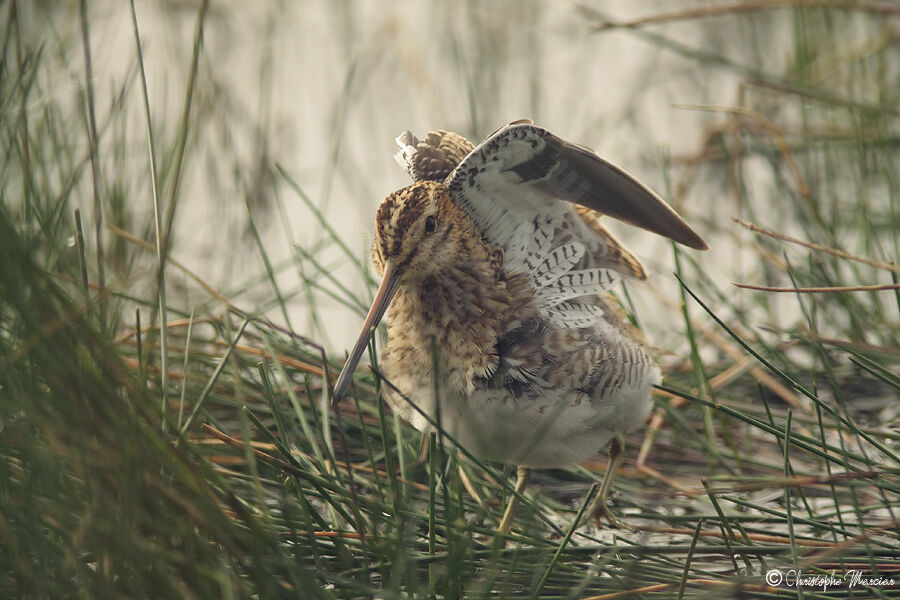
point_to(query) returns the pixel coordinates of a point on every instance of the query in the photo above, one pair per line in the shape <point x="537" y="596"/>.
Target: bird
<point x="496" y="270"/>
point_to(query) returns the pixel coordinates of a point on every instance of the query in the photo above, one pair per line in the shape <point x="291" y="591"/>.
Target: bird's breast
<point x="510" y="386"/>
<point x="452" y="320"/>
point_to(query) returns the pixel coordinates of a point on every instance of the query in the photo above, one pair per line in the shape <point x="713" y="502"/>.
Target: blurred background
<point x="171" y="436"/>
<point x="694" y="107"/>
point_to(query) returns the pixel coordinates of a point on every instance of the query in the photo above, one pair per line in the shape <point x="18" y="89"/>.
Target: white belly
<point x="551" y="429"/>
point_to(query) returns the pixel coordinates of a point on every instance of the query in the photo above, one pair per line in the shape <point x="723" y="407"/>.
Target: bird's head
<point x="418" y="232"/>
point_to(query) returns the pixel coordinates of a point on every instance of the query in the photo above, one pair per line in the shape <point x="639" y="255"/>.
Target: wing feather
<point x="574" y="284"/>
<point x="553" y="169"/>
<point x="521" y="185"/>
<point x="559" y="261"/>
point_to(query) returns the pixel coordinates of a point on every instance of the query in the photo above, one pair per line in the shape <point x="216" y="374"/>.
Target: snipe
<point x="496" y="259"/>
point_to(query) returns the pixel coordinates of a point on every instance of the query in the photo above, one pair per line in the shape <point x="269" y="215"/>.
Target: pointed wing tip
<point x="694" y="241"/>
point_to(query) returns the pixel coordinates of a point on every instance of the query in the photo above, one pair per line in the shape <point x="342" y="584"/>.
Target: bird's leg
<point x="598" y="504"/>
<point x="523" y="474"/>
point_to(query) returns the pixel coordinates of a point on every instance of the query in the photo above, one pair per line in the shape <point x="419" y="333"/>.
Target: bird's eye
<point x="430" y="225"/>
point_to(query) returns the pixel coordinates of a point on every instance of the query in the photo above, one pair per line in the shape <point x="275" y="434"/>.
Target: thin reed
<point x="166" y="427"/>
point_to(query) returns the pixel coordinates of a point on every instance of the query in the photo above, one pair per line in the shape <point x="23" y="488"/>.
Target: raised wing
<point x="523" y="171"/>
<point x="519" y="187"/>
<point x="617" y="256"/>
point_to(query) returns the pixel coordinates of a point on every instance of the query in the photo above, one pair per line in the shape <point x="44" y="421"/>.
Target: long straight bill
<point x="382" y="300"/>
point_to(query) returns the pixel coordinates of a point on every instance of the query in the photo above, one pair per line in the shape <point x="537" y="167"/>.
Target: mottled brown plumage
<point x="500" y="324"/>
<point x="436" y="156"/>
<point x="438" y="269"/>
